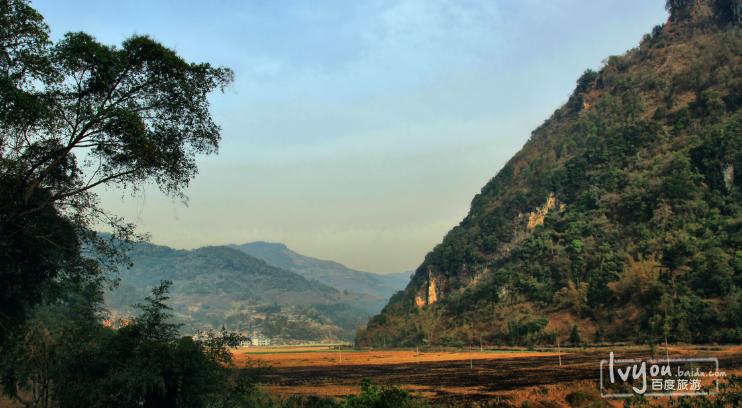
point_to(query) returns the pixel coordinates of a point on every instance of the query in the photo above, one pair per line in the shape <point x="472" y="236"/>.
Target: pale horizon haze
<point x="358" y="132"/>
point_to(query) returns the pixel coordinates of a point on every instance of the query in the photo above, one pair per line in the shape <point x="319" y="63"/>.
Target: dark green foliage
<point x="680" y="9"/>
<point x="23" y="43"/>
<point x="586" y="80"/>
<point x="599" y="335"/>
<point x="386" y="396"/>
<point x="30" y="266"/>
<point x="141" y="116"/>
<point x="578" y="399"/>
<point x="153" y="320"/>
<point x="574" y="336"/>
<point x="649" y="176"/>
<point x="143" y="363"/>
<point x="728" y="11"/>
<point x="656" y="31"/>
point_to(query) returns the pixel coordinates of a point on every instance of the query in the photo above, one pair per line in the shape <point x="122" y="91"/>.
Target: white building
<point x="261" y="341"/>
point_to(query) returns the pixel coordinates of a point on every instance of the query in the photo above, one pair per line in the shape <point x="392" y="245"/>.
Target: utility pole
<point x="480" y="343"/>
<point x="667" y="353"/>
<point x="471" y="365"/>
<point x="417" y="350"/>
<point x="559" y="351"/>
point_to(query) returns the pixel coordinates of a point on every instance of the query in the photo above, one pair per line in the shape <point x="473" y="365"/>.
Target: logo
<point x="659" y="378"/>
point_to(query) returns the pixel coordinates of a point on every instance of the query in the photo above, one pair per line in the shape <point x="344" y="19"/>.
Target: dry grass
<point x="518" y="379"/>
<point x="302" y="357"/>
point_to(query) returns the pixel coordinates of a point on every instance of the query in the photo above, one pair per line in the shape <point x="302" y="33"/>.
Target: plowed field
<point x="446" y="376"/>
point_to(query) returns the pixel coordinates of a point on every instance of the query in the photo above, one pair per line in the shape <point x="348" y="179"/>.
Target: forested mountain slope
<point x="209" y="270"/>
<point x="619" y="220"/>
<point x="220" y="285"/>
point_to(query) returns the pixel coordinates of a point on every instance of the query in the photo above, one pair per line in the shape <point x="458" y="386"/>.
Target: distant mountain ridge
<point x="221" y="285"/>
<point x="220" y="269"/>
<point x="395" y="280"/>
<point x="330" y="273"/>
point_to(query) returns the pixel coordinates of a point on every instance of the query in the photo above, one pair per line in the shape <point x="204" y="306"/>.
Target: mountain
<point x="619" y="220"/>
<point x="221" y="285"/>
<point x="397" y="281"/>
<point x="328" y="272"/>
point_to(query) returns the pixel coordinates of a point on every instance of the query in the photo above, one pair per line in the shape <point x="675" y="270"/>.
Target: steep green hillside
<point x="328" y="272"/>
<point x="220" y="285"/>
<point x="619" y="220"/>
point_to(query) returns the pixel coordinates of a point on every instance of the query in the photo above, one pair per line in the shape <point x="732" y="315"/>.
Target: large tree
<point x="74" y="116"/>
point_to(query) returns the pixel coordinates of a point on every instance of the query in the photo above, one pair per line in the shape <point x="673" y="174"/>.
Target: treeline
<point x="71" y="360"/>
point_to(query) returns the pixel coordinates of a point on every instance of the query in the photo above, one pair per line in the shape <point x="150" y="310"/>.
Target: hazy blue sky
<point x="359" y="131"/>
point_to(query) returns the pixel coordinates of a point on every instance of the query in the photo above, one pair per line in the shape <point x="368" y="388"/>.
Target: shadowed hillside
<point x="328" y="272"/>
<point x="223" y="286"/>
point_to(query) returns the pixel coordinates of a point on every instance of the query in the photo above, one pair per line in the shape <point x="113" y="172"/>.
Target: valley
<point x="222" y="286"/>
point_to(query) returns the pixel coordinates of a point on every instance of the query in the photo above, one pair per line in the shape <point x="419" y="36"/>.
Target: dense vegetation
<point x="223" y="286"/>
<point x="76" y="115"/>
<point x="645" y="155"/>
<point x="646" y="158"/>
<point x="207" y="270"/>
<point x="141" y="362"/>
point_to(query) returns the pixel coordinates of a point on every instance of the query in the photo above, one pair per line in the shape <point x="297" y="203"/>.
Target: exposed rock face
<point x="432" y="294"/>
<point x="537" y="217"/>
<point x="432" y="290"/>
<point x="436" y="284"/>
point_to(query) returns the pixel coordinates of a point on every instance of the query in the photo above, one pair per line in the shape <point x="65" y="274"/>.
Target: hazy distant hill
<point x="328" y="272"/>
<point x="396" y="280"/>
<point x="222" y="270"/>
<point x="220" y="285"/>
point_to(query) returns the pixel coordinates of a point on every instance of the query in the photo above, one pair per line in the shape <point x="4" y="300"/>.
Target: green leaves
<point x="77" y="115"/>
<point x="143" y="363"/>
<point x="155" y="314"/>
<point x="386" y="396"/>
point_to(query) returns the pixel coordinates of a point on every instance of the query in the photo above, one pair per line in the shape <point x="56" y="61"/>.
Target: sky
<point x="358" y="131"/>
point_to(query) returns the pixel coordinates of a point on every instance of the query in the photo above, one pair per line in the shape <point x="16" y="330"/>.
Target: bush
<point x="574" y="337"/>
<point x="386" y="396"/>
<point x="143" y="363"/>
<point x="578" y="399"/>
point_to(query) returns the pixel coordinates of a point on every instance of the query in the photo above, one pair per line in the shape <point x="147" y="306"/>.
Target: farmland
<point x="447" y="376"/>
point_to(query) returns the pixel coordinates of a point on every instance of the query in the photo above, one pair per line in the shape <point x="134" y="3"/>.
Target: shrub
<point x="386" y="396"/>
<point x="574" y="336"/>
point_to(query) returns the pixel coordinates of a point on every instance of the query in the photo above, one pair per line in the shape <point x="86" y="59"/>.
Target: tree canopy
<point x="76" y="115"/>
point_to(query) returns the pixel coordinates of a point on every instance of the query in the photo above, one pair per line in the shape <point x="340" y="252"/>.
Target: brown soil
<point x="447" y="377"/>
